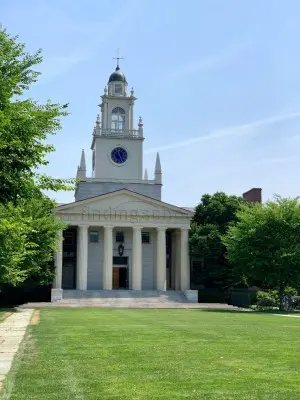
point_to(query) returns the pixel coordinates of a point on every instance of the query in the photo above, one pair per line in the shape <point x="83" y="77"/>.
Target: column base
<point x="56" y="294"/>
<point x="191" y="295"/>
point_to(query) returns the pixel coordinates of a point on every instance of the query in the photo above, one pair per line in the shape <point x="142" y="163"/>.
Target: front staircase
<point x="131" y="299"/>
<point x="123" y="298"/>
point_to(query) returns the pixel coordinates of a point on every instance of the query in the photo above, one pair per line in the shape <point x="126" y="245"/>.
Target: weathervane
<point x="118" y="58"/>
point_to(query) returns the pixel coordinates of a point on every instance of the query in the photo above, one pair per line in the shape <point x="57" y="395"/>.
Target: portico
<point x="138" y="235"/>
<point x="181" y="268"/>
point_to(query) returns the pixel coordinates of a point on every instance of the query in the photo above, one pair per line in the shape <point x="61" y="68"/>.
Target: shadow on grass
<point x="6" y="312"/>
<point x="226" y="311"/>
<point x="8" y="309"/>
<point x="250" y="311"/>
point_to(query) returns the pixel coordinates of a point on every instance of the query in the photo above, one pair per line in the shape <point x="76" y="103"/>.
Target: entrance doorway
<point x="120" y="273"/>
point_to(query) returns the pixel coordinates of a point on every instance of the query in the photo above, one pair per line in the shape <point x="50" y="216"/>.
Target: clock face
<point x="119" y="155"/>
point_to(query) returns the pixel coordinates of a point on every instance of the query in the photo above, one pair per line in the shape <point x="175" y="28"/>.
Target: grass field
<point x="91" y="354"/>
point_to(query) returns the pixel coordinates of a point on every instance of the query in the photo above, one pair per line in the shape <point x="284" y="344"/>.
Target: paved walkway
<point x="287" y="315"/>
<point x="12" y="331"/>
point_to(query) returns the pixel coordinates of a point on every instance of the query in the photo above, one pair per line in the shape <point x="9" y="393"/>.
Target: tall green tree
<point x="212" y="218"/>
<point x="24" y="124"/>
<point x="264" y="244"/>
<point x="28" y="237"/>
<point x="28" y="228"/>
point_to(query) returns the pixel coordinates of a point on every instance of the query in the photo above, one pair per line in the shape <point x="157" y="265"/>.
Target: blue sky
<point x="217" y="85"/>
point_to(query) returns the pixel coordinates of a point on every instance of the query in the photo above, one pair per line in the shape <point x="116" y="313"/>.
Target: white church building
<point x="120" y="234"/>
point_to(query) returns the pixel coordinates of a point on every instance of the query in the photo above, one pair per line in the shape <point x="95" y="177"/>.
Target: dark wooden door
<point x="116" y="278"/>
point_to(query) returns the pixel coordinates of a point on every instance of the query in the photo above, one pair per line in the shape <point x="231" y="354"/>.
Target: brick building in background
<point x="253" y="194"/>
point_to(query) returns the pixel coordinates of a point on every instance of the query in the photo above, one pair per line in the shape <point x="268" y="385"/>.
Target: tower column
<point x="161" y="259"/>
<point x="130" y="125"/>
<point x="82" y="257"/>
<point x="107" y="257"/>
<point x="137" y="258"/>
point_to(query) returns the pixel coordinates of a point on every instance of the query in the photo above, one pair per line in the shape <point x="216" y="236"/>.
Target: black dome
<point x="117" y="76"/>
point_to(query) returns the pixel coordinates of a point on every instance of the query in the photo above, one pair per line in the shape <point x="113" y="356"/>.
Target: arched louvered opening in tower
<point x="118" y="119"/>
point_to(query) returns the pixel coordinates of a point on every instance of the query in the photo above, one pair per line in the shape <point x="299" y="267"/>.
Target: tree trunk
<point x="281" y="294"/>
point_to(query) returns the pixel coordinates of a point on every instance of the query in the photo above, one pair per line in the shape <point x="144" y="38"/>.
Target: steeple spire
<point x="146" y="175"/>
<point x="82" y="161"/>
<point x="157" y="164"/>
<point x="81" y="171"/>
<point x="158" y="171"/>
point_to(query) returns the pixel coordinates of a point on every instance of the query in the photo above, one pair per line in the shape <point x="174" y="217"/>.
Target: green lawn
<point x="91" y="354"/>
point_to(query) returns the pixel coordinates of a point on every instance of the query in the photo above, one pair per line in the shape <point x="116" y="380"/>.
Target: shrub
<point x="290" y="291"/>
<point x="268" y="299"/>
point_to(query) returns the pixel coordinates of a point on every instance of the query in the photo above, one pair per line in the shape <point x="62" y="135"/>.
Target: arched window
<point x="118" y="119"/>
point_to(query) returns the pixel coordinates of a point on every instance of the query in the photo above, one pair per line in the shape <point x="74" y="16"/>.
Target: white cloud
<point x="272" y="160"/>
<point x="235" y="130"/>
<point x="206" y="63"/>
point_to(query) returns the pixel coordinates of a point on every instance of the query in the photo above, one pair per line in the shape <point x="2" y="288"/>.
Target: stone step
<point x="130" y="303"/>
<point x="132" y="295"/>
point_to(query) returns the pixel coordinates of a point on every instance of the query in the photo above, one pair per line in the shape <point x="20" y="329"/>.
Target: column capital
<point x="137" y="227"/>
<point x="83" y="226"/>
<point x="185" y="228"/>
<point x="161" y="228"/>
<point x="108" y="226"/>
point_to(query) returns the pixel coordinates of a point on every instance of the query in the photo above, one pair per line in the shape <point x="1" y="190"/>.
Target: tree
<point x="28" y="229"/>
<point x="264" y="243"/>
<point x="28" y="236"/>
<point x="24" y="125"/>
<point x="211" y="220"/>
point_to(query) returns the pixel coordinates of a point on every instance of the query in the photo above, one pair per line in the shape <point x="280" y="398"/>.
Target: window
<point x="120" y="237"/>
<point x="118" y="119"/>
<point x="145" y="237"/>
<point x="120" y="260"/>
<point x="94" y="236"/>
<point x="118" y="88"/>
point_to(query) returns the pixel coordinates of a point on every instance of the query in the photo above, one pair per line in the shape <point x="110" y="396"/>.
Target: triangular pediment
<point x="123" y="202"/>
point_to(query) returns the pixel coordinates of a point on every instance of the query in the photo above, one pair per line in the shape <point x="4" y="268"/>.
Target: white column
<point x="107" y="120"/>
<point x="131" y="121"/>
<point x="82" y="257"/>
<point x="173" y="260"/>
<point x="184" y="260"/>
<point x="58" y="259"/>
<point x="137" y="258"/>
<point x="104" y="118"/>
<point x="161" y="259"/>
<point x="177" y="260"/>
<point x="107" y="257"/>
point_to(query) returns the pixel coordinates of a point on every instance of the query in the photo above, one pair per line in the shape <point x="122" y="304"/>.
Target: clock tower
<point x="117" y="146"/>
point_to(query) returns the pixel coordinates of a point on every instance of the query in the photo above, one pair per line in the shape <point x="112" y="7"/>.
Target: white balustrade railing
<point x="133" y="133"/>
